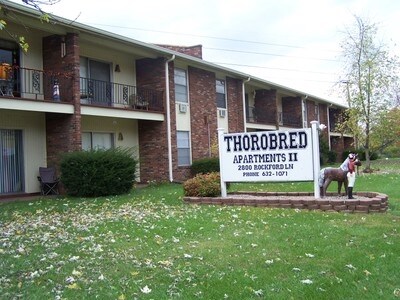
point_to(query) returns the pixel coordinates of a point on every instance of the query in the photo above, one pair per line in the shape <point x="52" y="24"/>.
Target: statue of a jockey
<point x="351" y="175"/>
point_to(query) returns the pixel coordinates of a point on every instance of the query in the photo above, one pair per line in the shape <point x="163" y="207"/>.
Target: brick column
<point x="265" y="107"/>
<point x="203" y="111"/>
<point x="153" y="144"/>
<point x="63" y="132"/>
<point x="292" y="111"/>
<point x="235" y="104"/>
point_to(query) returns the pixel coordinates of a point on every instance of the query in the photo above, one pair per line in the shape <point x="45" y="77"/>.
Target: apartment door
<point x="100" y="78"/>
<point x="95" y="82"/>
<point x="11" y="161"/>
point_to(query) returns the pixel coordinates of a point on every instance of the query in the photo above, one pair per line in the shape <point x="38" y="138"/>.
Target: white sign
<point x="267" y="156"/>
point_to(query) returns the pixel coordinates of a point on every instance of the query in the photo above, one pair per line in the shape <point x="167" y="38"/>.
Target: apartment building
<point x="79" y="87"/>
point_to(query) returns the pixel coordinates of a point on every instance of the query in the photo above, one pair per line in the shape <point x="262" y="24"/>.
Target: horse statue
<point x="327" y="175"/>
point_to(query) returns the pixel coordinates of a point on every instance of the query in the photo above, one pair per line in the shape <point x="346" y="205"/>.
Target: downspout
<point x="171" y="177"/>
<point x="244" y="104"/>
<point x="328" y="126"/>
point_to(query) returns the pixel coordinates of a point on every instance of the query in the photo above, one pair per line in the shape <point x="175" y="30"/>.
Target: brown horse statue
<point x="327" y="175"/>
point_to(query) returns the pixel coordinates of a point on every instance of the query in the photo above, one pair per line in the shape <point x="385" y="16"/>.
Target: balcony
<point x="31" y="84"/>
<point x="269" y="118"/>
<point x="25" y="83"/>
<point x="291" y="121"/>
<point x="104" y="93"/>
<point x="253" y="115"/>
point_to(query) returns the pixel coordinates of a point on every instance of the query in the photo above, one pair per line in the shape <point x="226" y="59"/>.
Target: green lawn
<point x="149" y="245"/>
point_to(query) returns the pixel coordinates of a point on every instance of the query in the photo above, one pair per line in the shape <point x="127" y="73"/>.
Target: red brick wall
<point x="63" y="132"/>
<point x="203" y="111"/>
<point x="153" y="146"/>
<point x="196" y="51"/>
<point x="292" y="111"/>
<point x="265" y="107"/>
<point x="311" y="115"/>
<point x="64" y="69"/>
<point x="235" y="104"/>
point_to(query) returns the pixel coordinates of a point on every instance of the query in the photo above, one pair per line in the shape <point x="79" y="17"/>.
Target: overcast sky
<point x="289" y="42"/>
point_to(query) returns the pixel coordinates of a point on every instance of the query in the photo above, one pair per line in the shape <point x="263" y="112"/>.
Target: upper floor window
<point x="220" y="89"/>
<point x="181" y="91"/>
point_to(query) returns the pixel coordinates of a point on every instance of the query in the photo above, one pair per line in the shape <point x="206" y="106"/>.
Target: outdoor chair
<point x="48" y="181"/>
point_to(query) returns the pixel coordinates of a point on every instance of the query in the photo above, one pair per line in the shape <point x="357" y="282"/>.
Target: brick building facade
<point x="116" y="92"/>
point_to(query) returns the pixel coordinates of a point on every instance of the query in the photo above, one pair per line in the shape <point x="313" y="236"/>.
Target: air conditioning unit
<point x="182" y="107"/>
<point x="222" y="113"/>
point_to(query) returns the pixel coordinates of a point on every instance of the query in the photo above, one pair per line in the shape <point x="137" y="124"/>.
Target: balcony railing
<point x="291" y="121"/>
<point x="105" y="93"/>
<point x="255" y="116"/>
<point x="52" y="86"/>
<point x="35" y="84"/>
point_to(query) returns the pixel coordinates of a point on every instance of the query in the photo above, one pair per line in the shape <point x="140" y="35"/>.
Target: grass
<point x="149" y="245"/>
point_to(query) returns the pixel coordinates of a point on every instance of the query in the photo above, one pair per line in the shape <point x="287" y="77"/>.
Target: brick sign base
<point x="368" y="202"/>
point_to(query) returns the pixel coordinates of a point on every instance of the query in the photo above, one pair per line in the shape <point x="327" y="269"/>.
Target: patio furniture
<point x="48" y="181"/>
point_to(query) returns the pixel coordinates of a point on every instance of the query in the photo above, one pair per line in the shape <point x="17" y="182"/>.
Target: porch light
<point x="63" y="47"/>
<point x="117" y="68"/>
<point x="120" y="137"/>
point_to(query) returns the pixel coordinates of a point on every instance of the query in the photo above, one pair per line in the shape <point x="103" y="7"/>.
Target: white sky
<point x="295" y="43"/>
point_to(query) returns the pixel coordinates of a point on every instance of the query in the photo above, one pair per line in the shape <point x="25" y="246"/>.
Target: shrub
<point x="323" y="150"/>
<point x="98" y="172"/>
<point x="203" y="185"/>
<point x="332" y="155"/>
<point x="205" y="165"/>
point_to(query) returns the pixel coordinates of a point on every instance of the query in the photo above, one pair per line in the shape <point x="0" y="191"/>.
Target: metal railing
<point x="104" y="93"/>
<point x="255" y="116"/>
<point x="35" y="84"/>
<point x="54" y="86"/>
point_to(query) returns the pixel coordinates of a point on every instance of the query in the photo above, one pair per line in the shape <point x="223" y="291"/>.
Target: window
<point x="220" y="89"/>
<point x="97" y="140"/>
<point x="181" y="94"/>
<point x="9" y="54"/>
<point x="183" y="148"/>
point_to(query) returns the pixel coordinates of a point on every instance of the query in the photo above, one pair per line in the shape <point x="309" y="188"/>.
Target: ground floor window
<point x="11" y="161"/>
<point x="183" y="143"/>
<point x="97" y="140"/>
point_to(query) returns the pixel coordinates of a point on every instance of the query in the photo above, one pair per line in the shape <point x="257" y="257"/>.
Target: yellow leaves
<point x="24" y="45"/>
<point x="76" y="273"/>
<point x="73" y="286"/>
<point x="2" y="24"/>
<point x="122" y="297"/>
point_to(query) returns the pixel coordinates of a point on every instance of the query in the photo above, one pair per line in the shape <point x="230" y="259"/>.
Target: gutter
<point x="170" y="172"/>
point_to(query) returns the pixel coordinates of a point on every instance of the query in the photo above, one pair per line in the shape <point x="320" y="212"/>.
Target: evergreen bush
<point x="205" y="165"/>
<point x="98" y="172"/>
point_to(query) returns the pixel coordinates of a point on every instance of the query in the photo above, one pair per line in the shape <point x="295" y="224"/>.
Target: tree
<point x="387" y="132"/>
<point x="371" y="74"/>
<point x="44" y="17"/>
